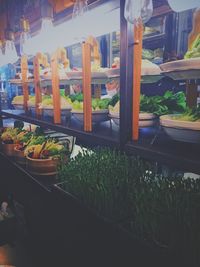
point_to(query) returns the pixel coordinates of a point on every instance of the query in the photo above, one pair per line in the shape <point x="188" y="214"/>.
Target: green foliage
<point x="103" y="179"/>
<point x="18" y="124"/>
<point x="189" y="115"/>
<point x="160" y="210"/>
<point x="167" y="212"/>
<point x="195" y="49"/>
<point x="160" y="105"/>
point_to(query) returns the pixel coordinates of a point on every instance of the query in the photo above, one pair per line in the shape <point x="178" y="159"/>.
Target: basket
<point x="19" y="156"/>
<point x="42" y="167"/>
<point x="8" y="149"/>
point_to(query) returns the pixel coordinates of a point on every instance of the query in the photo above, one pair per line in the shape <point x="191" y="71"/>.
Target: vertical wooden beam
<point x="56" y="89"/>
<point x="38" y="95"/>
<point x="24" y="70"/>
<point x="191" y="94"/>
<point x="137" y="62"/>
<point x="87" y="97"/>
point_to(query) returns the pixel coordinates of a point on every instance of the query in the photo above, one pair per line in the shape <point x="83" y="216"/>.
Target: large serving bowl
<point x="42" y="167"/>
<point x="8" y="149"/>
<point x="184" y="131"/>
<point x="18" y="106"/>
<point x="65" y="113"/>
<point x="97" y="116"/>
<point x="19" y="156"/>
<point x="145" y="119"/>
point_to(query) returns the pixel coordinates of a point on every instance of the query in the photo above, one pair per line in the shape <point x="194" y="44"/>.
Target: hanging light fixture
<point x="45" y="41"/>
<point x="136" y="10"/>
<point x="79" y="19"/>
<point x="2" y="56"/>
<point x="10" y="49"/>
<point x="180" y="5"/>
<point x="24" y="37"/>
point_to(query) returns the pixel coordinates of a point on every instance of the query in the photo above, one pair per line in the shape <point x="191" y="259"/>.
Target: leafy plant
<point x="103" y="179"/>
<point x="189" y="115"/>
<point x="166" y="104"/>
<point x="167" y="212"/>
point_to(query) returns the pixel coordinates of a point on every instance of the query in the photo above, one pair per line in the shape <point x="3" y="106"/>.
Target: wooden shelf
<point x="103" y="134"/>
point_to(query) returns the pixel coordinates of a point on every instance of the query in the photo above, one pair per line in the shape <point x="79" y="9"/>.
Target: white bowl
<point x="50" y="112"/>
<point x="18" y="106"/>
<point x="145" y="119"/>
<point x="184" y="131"/>
<point x="97" y="116"/>
<point x="178" y="65"/>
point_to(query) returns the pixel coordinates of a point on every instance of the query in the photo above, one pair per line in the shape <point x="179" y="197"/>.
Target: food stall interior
<point x="99" y="77"/>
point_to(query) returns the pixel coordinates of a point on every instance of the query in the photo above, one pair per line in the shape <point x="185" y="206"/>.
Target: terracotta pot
<point x="8" y="149"/>
<point x="19" y="156"/>
<point x="42" y="167"/>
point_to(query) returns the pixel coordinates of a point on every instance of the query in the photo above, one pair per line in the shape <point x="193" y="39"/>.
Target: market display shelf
<point x="48" y="82"/>
<point x="184" y="69"/>
<point x="103" y="134"/>
<point x="177" y="75"/>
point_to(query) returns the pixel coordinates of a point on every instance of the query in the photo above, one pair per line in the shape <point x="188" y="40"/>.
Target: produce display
<point x="18" y="100"/>
<point x="149" y="68"/>
<point x="97" y="104"/>
<point x="41" y="149"/>
<point x="159" y="105"/>
<point x="192" y="115"/>
<point x="9" y="135"/>
<point x="156" y="56"/>
<point x="194" y="52"/>
<point x="47" y="103"/>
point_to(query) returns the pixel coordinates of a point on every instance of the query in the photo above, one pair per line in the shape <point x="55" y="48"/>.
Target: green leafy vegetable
<point x="189" y="115"/>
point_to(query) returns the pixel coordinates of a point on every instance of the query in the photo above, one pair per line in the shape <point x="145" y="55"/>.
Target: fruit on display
<point x="49" y="148"/>
<point x="9" y="135"/>
<point x="194" y="52"/>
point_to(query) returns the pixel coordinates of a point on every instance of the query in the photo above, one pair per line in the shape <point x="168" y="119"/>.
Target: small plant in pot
<point x="9" y="138"/>
<point x="22" y="141"/>
<point x="43" y="159"/>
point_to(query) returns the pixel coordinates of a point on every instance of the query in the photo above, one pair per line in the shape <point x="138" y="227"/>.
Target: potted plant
<point x="9" y="138"/>
<point x="43" y="157"/>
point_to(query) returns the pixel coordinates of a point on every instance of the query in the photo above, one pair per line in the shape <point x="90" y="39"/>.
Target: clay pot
<point x="19" y="156"/>
<point x="8" y="149"/>
<point x="42" y="167"/>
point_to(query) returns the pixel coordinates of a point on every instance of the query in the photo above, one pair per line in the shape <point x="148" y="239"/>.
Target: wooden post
<point x="56" y="89"/>
<point x="191" y="94"/>
<point x="87" y="98"/>
<point x="137" y="62"/>
<point x="38" y="95"/>
<point x="24" y="70"/>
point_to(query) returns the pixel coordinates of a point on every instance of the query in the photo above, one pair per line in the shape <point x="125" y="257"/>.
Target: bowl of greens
<point x="183" y="127"/>
<point x="99" y="108"/>
<point x="48" y="109"/>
